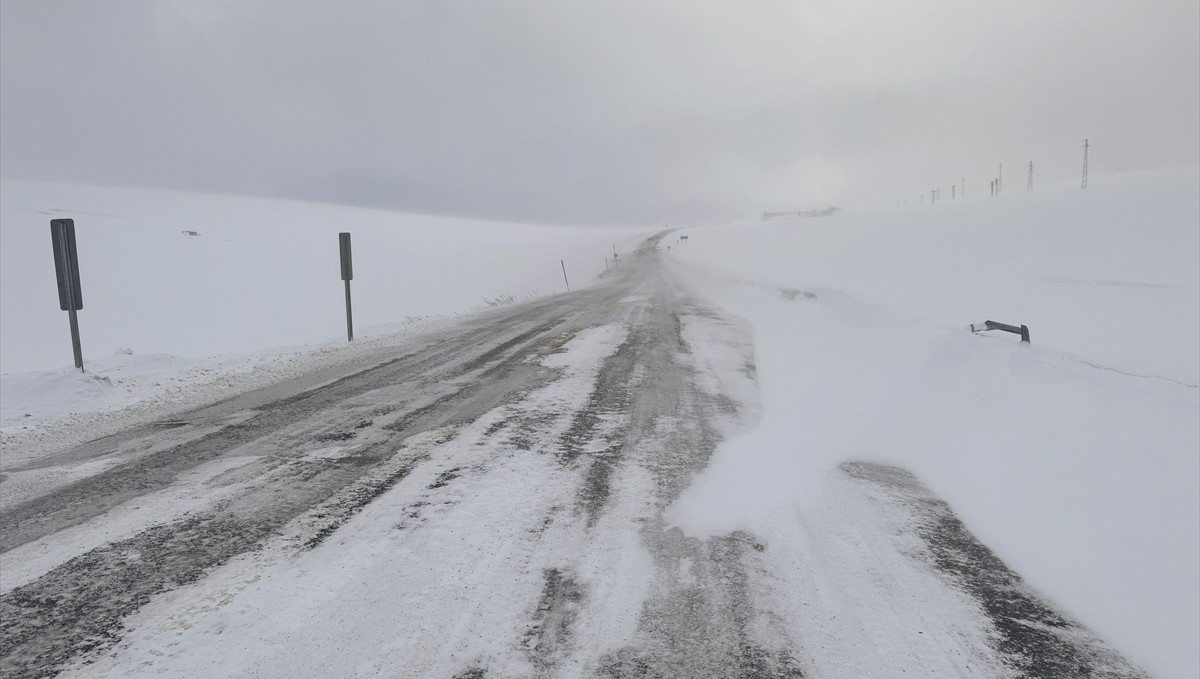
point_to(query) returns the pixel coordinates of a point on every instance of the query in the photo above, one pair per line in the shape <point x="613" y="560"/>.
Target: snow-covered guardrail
<point x="1021" y="330"/>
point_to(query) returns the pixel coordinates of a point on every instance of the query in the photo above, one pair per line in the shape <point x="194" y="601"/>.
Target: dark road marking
<point x="1032" y="637"/>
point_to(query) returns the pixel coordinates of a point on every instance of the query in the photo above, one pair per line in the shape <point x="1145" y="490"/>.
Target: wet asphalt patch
<point x="1032" y="637"/>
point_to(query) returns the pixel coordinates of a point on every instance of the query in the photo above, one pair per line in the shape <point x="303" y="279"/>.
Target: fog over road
<point x="489" y="502"/>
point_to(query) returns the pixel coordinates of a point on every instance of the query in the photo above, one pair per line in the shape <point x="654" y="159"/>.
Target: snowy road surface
<point x="491" y="502"/>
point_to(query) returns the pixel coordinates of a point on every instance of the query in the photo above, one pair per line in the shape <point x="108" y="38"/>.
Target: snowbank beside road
<point x="173" y="320"/>
<point x="260" y="273"/>
<point x="1075" y="458"/>
<point x="41" y="411"/>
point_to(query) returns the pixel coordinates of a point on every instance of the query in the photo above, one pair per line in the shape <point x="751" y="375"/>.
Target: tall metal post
<point x="1029" y="187"/>
<point x="347" y="262"/>
<point x="66" y="269"/>
<point x="75" y="344"/>
<point x="349" y="315"/>
<point x="1086" y="145"/>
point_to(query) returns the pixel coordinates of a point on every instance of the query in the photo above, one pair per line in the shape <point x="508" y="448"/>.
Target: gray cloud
<point x="591" y="111"/>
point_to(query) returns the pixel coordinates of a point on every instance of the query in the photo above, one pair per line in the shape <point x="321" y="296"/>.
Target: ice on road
<point x="493" y="501"/>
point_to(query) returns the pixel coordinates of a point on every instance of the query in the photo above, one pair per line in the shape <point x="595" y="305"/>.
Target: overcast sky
<point x="593" y="111"/>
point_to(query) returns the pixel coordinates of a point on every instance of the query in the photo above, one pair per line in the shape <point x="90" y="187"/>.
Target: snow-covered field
<point x="1075" y="458"/>
<point x="259" y="274"/>
<point x="172" y="320"/>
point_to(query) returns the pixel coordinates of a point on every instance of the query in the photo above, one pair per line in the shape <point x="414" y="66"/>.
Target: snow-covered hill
<point x="1075" y="457"/>
<point x="260" y="273"/>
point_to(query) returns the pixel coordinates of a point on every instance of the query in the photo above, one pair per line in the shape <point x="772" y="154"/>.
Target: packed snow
<point x="1076" y="458"/>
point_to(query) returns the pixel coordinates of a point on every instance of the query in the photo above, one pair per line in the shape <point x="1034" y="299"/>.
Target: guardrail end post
<point x="1025" y="334"/>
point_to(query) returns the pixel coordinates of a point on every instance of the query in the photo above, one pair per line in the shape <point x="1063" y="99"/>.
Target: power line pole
<point x="1086" y="146"/>
<point x="1000" y="179"/>
<point x="1029" y="187"/>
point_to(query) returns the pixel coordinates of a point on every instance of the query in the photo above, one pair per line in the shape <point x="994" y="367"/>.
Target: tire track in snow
<point x="97" y="494"/>
<point x="1032" y="636"/>
<point x="77" y="607"/>
<point x="647" y="417"/>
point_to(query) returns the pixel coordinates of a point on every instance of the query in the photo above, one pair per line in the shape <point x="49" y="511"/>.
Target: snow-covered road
<point x="493" y="501"/>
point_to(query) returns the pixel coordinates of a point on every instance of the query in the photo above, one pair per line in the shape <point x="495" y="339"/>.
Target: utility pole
<point x="1000" y="180"/>
<point x="1086" y="145"/>
<point x="1029" y="187"/>
<point x="933" y="197"/>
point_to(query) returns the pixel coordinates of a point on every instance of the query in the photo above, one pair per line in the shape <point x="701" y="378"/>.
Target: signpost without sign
<point x="66" y="267"/>
<point x="347" y="275"/>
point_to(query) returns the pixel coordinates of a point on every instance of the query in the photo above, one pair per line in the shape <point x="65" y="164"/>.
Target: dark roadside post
<point x="347" y="275"/>
<point x="66" y="267"/>
<point x="564" y="268"/>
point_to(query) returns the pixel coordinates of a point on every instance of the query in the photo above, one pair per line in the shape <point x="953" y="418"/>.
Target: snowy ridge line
<point x="1129" y="374"/>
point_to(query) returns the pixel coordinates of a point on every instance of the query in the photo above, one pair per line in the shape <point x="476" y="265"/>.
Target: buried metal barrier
<point x="1021" y="330"/>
